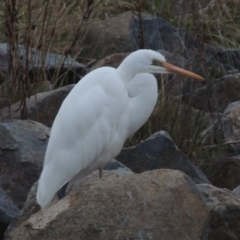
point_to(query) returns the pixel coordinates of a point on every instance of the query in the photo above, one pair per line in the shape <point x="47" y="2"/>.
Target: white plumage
<point x="105" y="108"/>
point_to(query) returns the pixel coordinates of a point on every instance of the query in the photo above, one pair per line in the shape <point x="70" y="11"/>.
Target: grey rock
<point x="113" y="60"/>
<point x="229" y="58"/>
<point x="159" y="34"/>
<point x="22" y="149"/>
<point x="223" y="172"/>
<point x="236" y="191"/>
<point x="115" y="165"/>
<point x="51" y="59"/>
<point x="157" y="203"/>
<point x="230" y="125"/>
<point x="3" y="227"/>
<point x="215" y="96"/>
<point x="52" y="63"/>
<point x="42" y="107"/>
<point x="4" y="57"/>
<point x="113" y="34"/>
<point x="159" y="151"/>
<point x="224" y="218"/>
<point x="30" y="207"/>
<point x="8" y="209"/>
<point x="4" y="102"/>
<point x="214" y="195"/>
<point x="108" y="36"/>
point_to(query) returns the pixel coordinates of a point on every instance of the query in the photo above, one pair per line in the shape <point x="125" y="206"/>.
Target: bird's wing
<point x="84" y="128"/>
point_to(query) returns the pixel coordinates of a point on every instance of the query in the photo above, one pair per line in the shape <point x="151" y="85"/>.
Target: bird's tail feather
<point x="49" y="183"/>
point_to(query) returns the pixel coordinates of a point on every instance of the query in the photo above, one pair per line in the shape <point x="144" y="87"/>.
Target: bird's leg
<point x="100" y="172"/>
<point x="62" y="191"/>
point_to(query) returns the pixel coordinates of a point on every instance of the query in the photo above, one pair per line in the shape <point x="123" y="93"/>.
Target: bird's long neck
<point x="128" y="69"/>
<point x="125" y="72"/>
<point x="143" y="92"/>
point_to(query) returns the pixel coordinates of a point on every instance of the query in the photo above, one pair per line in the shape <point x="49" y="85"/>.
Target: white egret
<point x="105" y="108"/>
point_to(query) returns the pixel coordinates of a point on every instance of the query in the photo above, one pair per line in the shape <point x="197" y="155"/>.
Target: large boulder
<point x="31" y="206"/>
<point x="8" y="210"/>
<point x="112" y="60"/>
<point x="114" y="33"/>
<point x="158" y="34"/>
<point x="230" y="123"/>
<point x="116" y="166"/>
<point x="108" y="36"/>
<point x="156" y="204"/>
<point x="236" y="191"/>
<point x="42" y="107"/>
<point x="215" y="96"/>
<point x="224" y="207"/>
<point x="184" y="7"/>
<point x="223" y="172"/>
<point x="52" y="63"/>
<point x="156" y="152"/>
<point x="22" y="145"/>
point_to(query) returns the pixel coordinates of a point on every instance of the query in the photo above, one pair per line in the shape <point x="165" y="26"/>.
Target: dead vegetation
<point x="59" y="26"/>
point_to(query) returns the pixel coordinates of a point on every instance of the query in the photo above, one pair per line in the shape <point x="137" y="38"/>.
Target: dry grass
<point x="56" y="26"/>
<point x="217" y="24"/>
<point x="59" y="26"/>
<point x="221" y="23"/>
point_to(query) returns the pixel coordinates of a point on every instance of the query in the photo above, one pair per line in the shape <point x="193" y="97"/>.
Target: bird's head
<point x="154" y="62"/>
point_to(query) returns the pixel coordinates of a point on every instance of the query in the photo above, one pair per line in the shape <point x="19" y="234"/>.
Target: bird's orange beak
<point x="176" y="70"/>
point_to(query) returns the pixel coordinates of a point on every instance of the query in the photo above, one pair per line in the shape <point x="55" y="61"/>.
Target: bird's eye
<point x="155" y="62"/>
